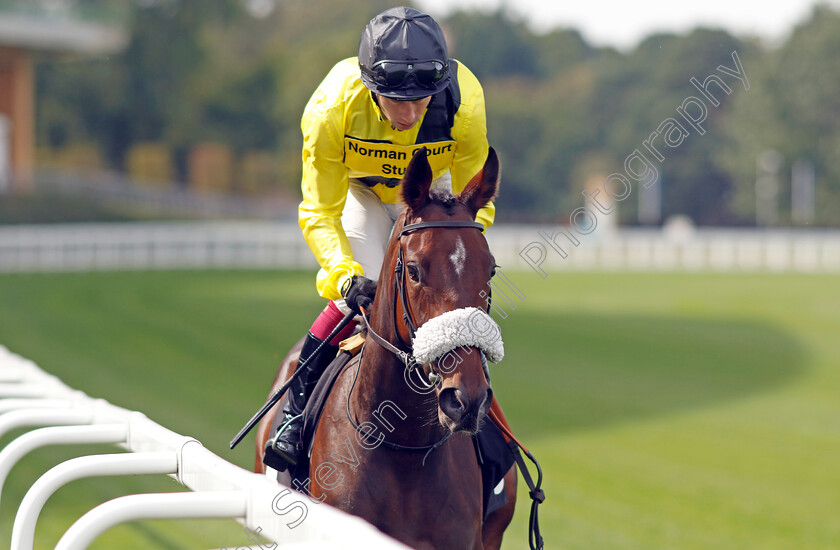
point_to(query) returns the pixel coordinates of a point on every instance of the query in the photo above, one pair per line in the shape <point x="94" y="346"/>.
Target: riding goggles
<point x="395" y="74"/>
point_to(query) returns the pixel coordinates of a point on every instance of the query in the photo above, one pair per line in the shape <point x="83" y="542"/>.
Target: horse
<point x="392" y="451"/>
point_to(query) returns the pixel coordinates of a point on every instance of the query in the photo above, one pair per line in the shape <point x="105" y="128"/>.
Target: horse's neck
<point x="382" y="383"/>
<point x="383" y="396"/>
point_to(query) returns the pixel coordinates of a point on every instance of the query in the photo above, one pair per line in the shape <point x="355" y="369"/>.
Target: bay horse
<point x="402" y="459"/>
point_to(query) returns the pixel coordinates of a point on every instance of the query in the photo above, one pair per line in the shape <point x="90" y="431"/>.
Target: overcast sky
<point x="622" y="24"/>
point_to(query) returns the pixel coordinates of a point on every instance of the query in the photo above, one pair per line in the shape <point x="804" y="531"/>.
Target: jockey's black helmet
<point x="402" y="55"/>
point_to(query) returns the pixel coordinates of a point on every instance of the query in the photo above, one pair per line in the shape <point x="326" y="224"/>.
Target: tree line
<point x="566" y="117"/>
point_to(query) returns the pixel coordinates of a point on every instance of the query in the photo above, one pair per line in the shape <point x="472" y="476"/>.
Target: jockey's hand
<point x="360" y="293"/>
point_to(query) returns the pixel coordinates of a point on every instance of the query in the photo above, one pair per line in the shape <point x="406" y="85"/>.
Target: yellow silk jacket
<point x="346" y="136"/>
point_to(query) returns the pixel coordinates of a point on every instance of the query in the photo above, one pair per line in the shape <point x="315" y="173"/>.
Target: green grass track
<point x="669" y="411"/>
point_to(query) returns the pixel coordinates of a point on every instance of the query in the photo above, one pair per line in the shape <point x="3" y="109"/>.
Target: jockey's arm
<point x="324" y="186"/>
<point x="471" y="129"/>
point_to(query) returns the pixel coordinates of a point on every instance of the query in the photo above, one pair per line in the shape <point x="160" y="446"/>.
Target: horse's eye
<point x="493" y="270"/>
<point x="413" y="272"/>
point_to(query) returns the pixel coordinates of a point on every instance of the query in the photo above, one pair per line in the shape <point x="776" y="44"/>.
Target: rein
<point x="393" y="446"/>
<point x="536" y="493"/>
<point x="407" y="358"/>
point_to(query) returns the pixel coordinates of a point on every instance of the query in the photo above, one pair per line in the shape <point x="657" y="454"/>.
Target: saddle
<point x="492" y="451"/>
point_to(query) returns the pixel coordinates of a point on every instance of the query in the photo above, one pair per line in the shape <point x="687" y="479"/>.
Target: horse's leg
<point x="499" y="519"/>
<point x="284" y="371"/>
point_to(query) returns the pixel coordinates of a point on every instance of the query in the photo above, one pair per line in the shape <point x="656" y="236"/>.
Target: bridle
<point x="400" y="293"/>
<point x="537" y="495"/>
<point x="406" y="357"/>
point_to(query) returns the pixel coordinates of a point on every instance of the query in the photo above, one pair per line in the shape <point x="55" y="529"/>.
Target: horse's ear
<point x="484" y="186"/>
<point x="417" y="181"/>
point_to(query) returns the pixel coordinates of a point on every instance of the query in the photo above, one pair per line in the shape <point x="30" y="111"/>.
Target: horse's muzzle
<point x="460" y="413"/>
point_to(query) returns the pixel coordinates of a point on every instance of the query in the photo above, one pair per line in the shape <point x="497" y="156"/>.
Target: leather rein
<point x="406" y="357"/>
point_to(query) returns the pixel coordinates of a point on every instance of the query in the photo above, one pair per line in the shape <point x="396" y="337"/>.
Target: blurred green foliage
<point x="110" y="12"/>
<point x="560" y="111"/>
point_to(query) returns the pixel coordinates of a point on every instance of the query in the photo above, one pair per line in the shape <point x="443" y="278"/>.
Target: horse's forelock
<point x="444" y="198"/>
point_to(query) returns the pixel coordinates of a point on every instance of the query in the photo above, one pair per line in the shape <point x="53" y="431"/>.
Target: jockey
<point x="360" y="129"/>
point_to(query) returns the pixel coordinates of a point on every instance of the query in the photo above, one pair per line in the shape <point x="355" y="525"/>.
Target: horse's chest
<point x="411" y="503"/>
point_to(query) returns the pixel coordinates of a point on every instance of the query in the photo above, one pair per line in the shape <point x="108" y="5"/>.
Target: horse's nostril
<point x="450" y="403"/>
<point x="487" y="401"/>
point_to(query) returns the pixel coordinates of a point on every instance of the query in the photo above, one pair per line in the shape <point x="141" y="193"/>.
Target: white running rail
<point x="29" y="397"/>
<point x="279" y="245"/>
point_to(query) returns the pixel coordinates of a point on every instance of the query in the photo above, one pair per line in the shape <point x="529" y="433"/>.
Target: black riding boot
<point x="287" y="445"/>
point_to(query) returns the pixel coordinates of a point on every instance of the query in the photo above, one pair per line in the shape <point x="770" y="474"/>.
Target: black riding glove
<point x="359" y="293"/>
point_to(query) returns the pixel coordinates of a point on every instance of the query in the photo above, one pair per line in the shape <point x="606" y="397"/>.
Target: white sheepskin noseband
<point x="467" y="326"/>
